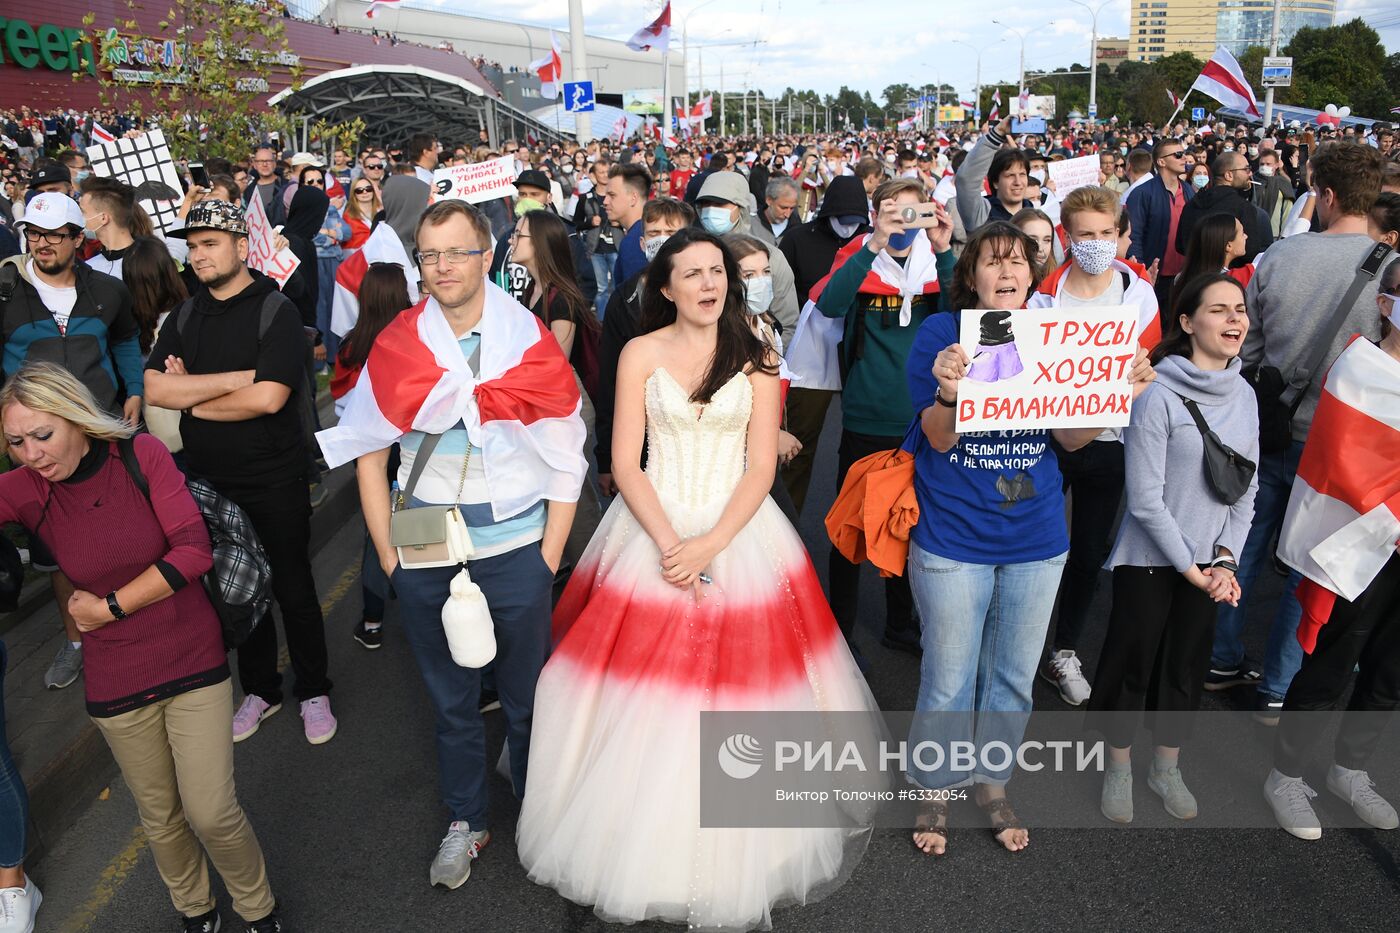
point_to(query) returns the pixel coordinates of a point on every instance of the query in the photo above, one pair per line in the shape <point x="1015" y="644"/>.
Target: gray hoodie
<point x="405" y="200"/>
<point x="1174" y="518"/>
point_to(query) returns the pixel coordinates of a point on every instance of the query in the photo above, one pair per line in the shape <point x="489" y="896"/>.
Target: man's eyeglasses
<point x="365" y="190"/>
<point x="52" y="237"/>
<point x="374" y="166"/>
<point x="264" y="161"/>
<point x="1173" y="155"/>
<point x="455" y="257"/>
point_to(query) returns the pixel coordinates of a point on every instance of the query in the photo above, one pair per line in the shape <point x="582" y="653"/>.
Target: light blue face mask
<point x="717" y="220"/>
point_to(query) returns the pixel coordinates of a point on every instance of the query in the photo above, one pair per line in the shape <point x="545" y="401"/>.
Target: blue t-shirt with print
<point x="996" y="496"/>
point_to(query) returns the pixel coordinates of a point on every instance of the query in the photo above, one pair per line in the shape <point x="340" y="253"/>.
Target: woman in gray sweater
<point x="1174" y="556"/>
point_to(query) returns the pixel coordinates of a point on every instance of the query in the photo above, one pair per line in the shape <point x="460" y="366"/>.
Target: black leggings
<point x="1365" y="632"/>
<point x="1154" y="658"/>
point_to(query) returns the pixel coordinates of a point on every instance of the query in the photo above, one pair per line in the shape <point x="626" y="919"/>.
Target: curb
<point x="63" y="787"/>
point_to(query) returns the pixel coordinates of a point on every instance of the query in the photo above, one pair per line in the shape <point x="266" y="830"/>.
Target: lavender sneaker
<point x="320" y="723"/>
<point x="250" y="715"/>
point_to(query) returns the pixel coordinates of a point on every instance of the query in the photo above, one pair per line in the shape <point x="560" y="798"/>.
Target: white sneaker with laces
<point x="1357" y="789"/>
<point x="1063" y="669"/>
<point x="453" y="865"/>
<point x="19" y="907"/>
<point x="1289" y="799"/>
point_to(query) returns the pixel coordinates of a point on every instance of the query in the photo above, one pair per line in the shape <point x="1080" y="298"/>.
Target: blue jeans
<point x="603" y="272"/>
<point x="517" y="586"/>
<point x="14" y="801"/>
<point x="1284" y="655"/>
<point x="326" y="267"/>
<point x="984" y="630"/>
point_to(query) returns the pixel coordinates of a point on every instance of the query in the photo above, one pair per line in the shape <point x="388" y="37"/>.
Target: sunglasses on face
<point x="374" y="166"/>
<point x="365" y="190"/>
<point x="315" y="182"/>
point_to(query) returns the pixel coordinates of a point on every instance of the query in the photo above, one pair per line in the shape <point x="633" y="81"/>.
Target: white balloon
<point x="1331" y="110"/>
<point x="1343" y="111"/>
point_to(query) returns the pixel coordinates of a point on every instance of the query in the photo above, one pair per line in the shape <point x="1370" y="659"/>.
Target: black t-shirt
<point x="557" y="309"/>
<point x="220" y="337"/>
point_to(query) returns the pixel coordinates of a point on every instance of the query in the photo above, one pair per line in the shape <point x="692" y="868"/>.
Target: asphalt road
<point x="349" y="829"/>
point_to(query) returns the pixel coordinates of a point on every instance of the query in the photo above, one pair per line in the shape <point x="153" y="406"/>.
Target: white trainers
<point x="19" y="907"/>
<point x="453" y="865"/>
<point x="1064" y="671"/>
<point x="1356" y="788"/>
<point x="1289" y="799"/>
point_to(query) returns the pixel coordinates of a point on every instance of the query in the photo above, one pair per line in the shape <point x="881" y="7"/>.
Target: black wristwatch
<point x="938" y="397"/>
<point x="114" y="606"/>
<point x="1225" y="563"/>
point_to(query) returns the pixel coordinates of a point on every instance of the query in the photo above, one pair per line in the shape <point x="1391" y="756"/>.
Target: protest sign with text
<point x="263" y="254"/>
<point x="1034" y="369"/>
<point x="1073" y="173"/>
<point x="477" y="182"/>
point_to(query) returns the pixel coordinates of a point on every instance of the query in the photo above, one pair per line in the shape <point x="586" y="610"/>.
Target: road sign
<point x="1093" y="111"/>
<point x="1198" y="114"/>
<point x="578" y="96"/>
<point x="1278" y="72"/>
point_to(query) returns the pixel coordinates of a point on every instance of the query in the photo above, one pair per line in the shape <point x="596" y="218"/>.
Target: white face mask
<point x="1266" y="170"/>
<point x="1039" y="175"/>
<point x="889" y="157"/>
<point x="652" y="245"/>
<point x="844" y="231"/>
<point x="1094" y="256"/>
<point x="758" y="293"/>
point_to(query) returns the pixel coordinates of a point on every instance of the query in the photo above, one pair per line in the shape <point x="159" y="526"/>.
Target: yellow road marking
<point x="124" y="863"/>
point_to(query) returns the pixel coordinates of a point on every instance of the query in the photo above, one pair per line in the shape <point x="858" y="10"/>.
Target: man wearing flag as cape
<point x="475" y="386"/>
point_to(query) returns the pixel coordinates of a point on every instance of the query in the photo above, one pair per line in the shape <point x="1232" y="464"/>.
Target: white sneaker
<point x="19" y="907"/>
<point x="1356" y="788"/>
<point x="1289" y="799"/>
<point x="1064" y="671"/>
<point x="453" y="865"/>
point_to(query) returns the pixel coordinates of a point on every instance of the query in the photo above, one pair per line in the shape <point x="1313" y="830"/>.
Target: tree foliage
<point x="1344" y="65"/>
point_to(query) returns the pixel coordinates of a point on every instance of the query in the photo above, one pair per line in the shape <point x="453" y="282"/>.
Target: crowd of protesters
<point x="1238" y="247"/>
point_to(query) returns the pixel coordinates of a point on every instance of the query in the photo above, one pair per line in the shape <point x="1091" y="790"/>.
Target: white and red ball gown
<point x="611" y="815"/>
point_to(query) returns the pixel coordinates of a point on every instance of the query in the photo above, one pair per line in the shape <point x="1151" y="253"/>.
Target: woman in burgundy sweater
<point x="157" y="679"/>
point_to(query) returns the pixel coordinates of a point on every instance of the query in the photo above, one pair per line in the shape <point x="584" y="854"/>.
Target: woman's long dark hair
<point x="1003" y="238"/>
<point x="1187" y="301"/>
<point x="1205" y="250"/>
<point x="383" y="294"/>
<point x="737" y="347"/>
<point x="554" y="267"/>
<point x="154" y="282"/>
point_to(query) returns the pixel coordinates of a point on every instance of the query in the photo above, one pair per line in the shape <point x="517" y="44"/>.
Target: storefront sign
<point x="58" y="48"/>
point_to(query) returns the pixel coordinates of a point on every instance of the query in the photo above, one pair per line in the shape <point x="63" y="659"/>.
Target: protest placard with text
<point x="1073" y="173"/>
<point x="1047" y="368"/>
<point x="477" y="182"/>
<point x="263" y="254"/>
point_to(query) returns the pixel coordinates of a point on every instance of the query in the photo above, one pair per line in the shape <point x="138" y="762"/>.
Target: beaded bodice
<point x="696" y="453"/>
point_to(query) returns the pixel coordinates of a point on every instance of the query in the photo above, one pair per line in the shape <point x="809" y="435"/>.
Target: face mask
<point x="844" y="231"/>
<point x="1253" y="151"/>
<point x="81" y="176"/>
<point x="833" y="166"/>
<point x="899" y="241"/>
<point x="1123" y="150"/>
<point x="717" y="220"/>
<point x="652" y="245"/>
<point x="889" y="157"/>
<point x="567" y="168"/>
<point x="526" y="205"/>
<point x="758" y="293"/>
<point x="1094" y="256"/>
<point x="1266" y="170"/>
<point x="1199" y="181"/>
<point x="89" y="234"/>
<point x="1039" y="175"/>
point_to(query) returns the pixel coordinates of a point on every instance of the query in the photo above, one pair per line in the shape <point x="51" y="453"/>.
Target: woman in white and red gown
<point x="695" y="594"/>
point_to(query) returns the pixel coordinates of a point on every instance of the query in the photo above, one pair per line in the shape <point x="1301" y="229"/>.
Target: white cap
<point x="52" y="210"/>
<point x="304" y="158"/>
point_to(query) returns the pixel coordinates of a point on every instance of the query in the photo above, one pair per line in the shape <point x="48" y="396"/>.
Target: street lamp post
<point x="1021" y="80"/>
<point x="977" y="99"/>
<point x="1093" y="58"/>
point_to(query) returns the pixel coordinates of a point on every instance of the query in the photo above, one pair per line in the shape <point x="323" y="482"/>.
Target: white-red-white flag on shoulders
<point x="1223" y="80"/>
<point x="1343" y="519"/>
<point x="550" y="69"/>
<point x="521" y="407"/>
<point x="656" y="35"/>
<point x="383" y="245"/>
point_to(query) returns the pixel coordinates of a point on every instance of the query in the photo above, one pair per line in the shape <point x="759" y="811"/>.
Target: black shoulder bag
<point x="1228" y="473"/>
<point x="1279" y="397"/>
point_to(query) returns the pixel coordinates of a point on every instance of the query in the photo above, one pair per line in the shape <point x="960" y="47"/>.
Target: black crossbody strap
<point x="1196" y="415"/>
<point x="420" y="463"/>
<point x="1302" y="377"/>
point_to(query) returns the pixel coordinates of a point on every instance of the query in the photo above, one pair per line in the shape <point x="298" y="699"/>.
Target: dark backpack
<point x="240" y="582"/>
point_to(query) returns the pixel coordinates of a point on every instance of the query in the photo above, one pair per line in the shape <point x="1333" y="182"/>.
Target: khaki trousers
<point x="177" y="757"/>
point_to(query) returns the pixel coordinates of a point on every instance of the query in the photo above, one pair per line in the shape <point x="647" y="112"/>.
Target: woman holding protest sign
<point x="987" y="553"/>
<point x="1190" y="458"/>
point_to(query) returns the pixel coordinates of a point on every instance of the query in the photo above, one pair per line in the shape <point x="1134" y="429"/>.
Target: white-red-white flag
<point x="1343" y="519"/>
<point x="1223" y="80"/>
<point x="521" y="407"/>
<point x="100" y="135"/>
<point x="550" y="69"/>
<point x="656" y="35"/>
<point x="374" y="6"/>
<point x="1023" y="102"/>
<point x="1176" y="101"/>
<point x="995" y="116"/>
<point x="383" y="245"/>
<point x="619" y="128"/>
<point x="702" y="111"/>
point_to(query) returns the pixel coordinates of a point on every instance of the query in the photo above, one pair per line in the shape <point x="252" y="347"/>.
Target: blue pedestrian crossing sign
<point x="578" y="96"/>
<point x="1198" y="114"/>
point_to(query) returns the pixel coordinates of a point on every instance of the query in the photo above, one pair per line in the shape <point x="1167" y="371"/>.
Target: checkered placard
<point x="145" y="158"/>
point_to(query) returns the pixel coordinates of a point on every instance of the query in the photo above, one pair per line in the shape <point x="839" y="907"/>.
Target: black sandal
<point x="1002" y="817"/>
<point x="933" y="819"/>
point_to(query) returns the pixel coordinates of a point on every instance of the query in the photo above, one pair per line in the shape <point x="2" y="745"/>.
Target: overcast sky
<point x="823" y="44"/>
